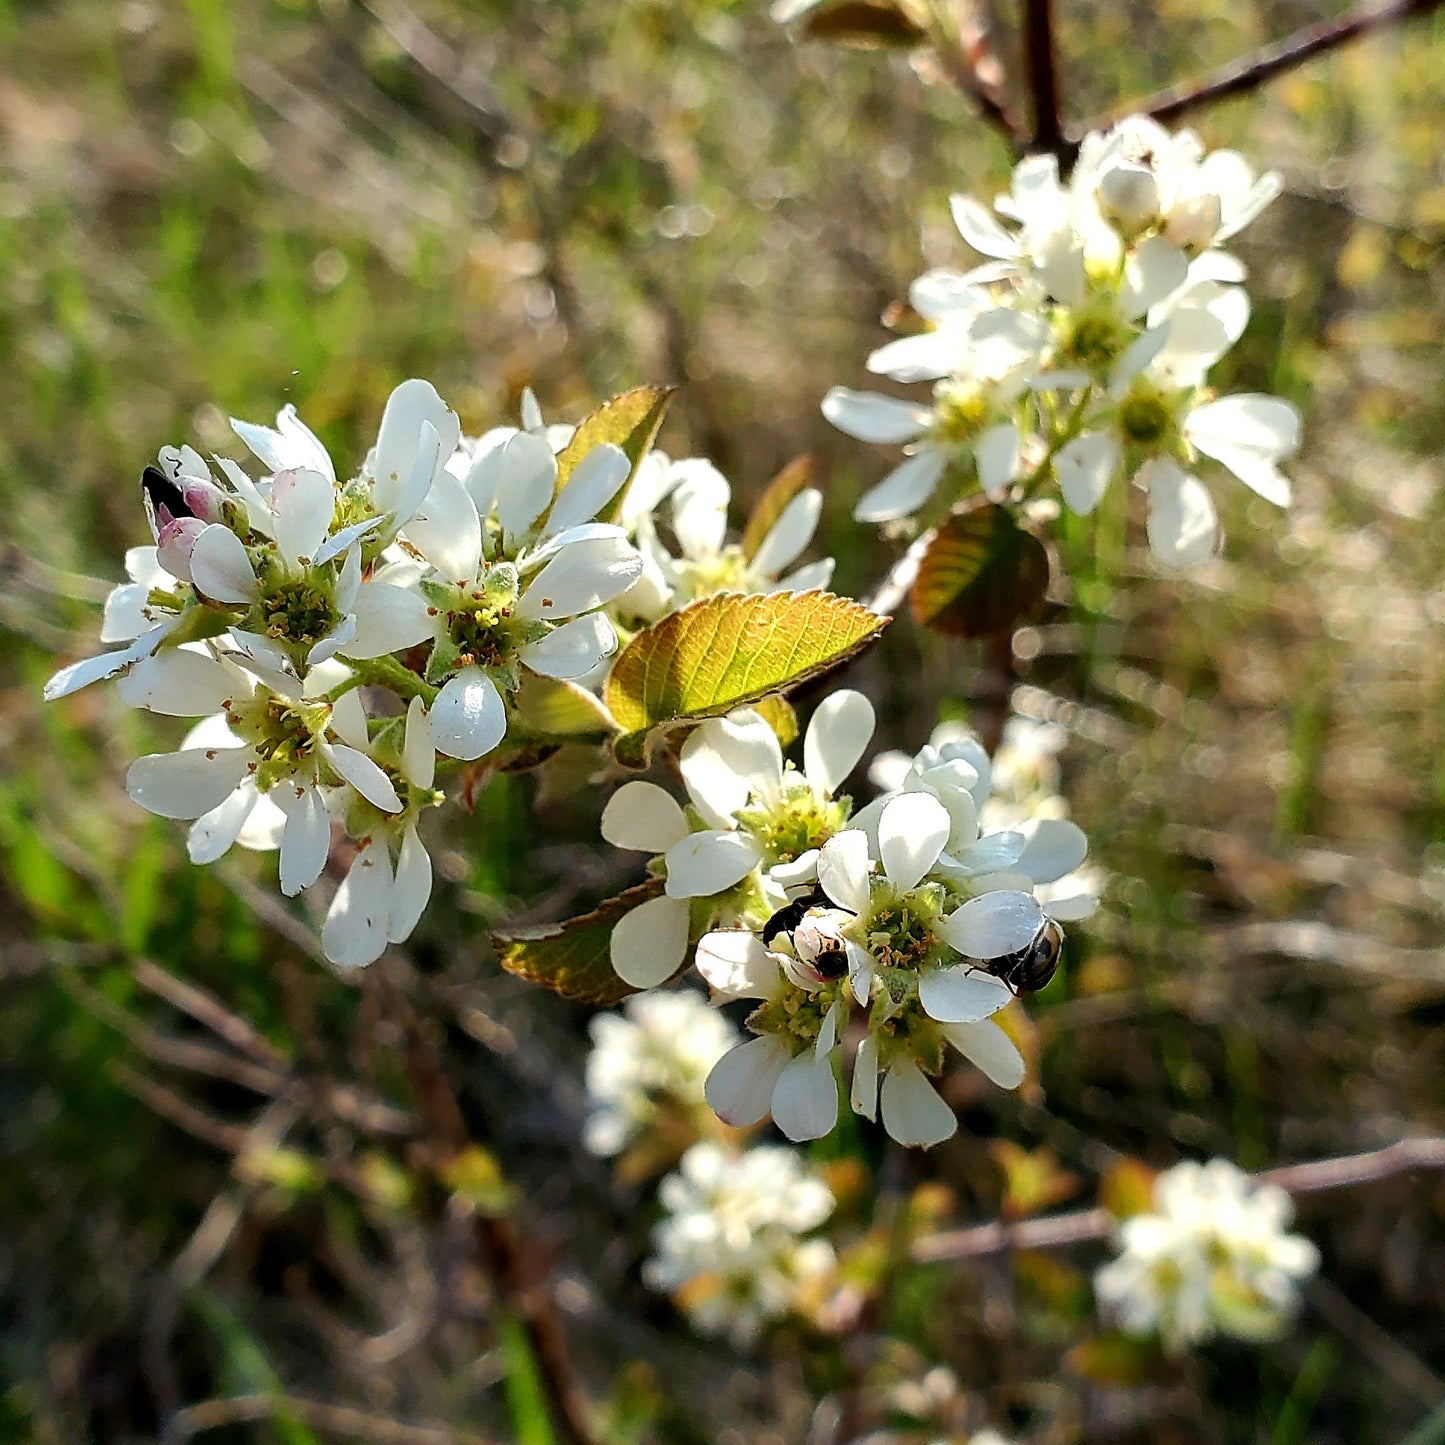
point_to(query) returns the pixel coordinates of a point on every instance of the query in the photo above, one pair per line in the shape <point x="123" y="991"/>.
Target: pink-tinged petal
<point x="961" y="994"/>
<point x="306" y="840"/>
<point x="740" y="1087"/>
<point x="468" y="718"/>
<point x="987" y="1046"/>
<point x="913" y="1112"/>
<point x="837" y="737"/>
<point x="354" y="933"/>
<point x="843" y="870"/>
<point x="737" y="964"/>
<point x="904" y="490"/>
<point x="703" y="864"/>
<point x="220" y="568"/>
<point x="864" y="1092"/>
<point x="649" y="942"/>
<point x="993" y="925"/>
<point x="872" y="417"/>
<point x="643" y="817"/>
<point x="912" y="830"/>
<point x="364" y="775"/>
<point x="411" y="888"/>
<point x="805" y="1098"/>
<point x="189" y="783"/>
<point x="303" y="504"/>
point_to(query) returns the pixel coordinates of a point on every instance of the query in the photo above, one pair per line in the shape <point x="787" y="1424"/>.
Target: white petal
<point x="125" y="615"/>
<point x="913" y="1111"/>
<point x="806" y="579"/>
<point x="468" y="718"/>
<point x="1137" y="355"/>
<point x="864" y="1094"/>
<point x="583" y="576"/>
<point x="1084" y="467"/>
<point x="986" y="1045"/>
<point x="649" y="942"/>
<point x="1248" y="434"/>
<point x="803" y="869"/>
<point x="573" y="650"/>
<point x="981" y="230"/>
<point x="364" y="775"/>
<point x="263" y="829"/>
<point x="911" y="833"/>
<point x="993" y="924"/>
<point x="107" y="664"/>
<point x="740" y="1087"/>
<point x="340" y="636"/>
<point x="1154" y="269"/>
<point x="843" y="870"/>
<point x="213" y="833"/>
<point x="527" y="481"/>
<point x="388" y="619"/>
<point x="346" y="538"/>
<point x="418" y="749"/>
<point x="303" y="504"/>
<point x="220" y="567"/>
<point x="643" y="817"/>
<point x="354" y="933"/>
<point x="1055" y="847"/>
<point x="583" y="532"/>
<point x="906" y="488"/>
<point x="928" y="356"/>
<point x="727" y="760"/>
<point x="996" y="456"/>
<point x="306" y="841"/>
<point x="189" y="783"/>
<point x="837" y="736"/>
<point x="445" y="529"/>
<point x="1073" y="907"/>
<point x="961" y="994"/>
<point x="595" y="480"/>
<point x="411" y="889"/>
<point x="406" y="455"/>
<point x="700" y="500"/>
<point x="179" y="683"/>
<point x="805" y="1098"/>
<point x="989" y="854"/>
<point x="348" y="716"/>
<point x="872" y="417"/>
<point x="736" y="964"/>
<point x="788" y="536"/>
<point x="1182" y="526"/>
<point x="706" y="863"/>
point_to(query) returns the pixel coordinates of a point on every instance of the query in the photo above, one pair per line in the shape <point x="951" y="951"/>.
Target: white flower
<point x="651" y="1058"/>
<point x="698" y="496"/>
<point x="1214" y="1257"/>
<point x="732" y="1246"/>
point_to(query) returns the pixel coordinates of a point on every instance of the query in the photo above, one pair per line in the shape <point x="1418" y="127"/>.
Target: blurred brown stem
<point x="1041" y="71"/>
<point x="1080" y="1226"/>
<point x="513" y="1263"/>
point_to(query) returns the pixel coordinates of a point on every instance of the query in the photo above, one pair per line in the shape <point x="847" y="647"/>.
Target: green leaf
<point x="629" y="421"/>
<point x="981" y="575"/>
<point x="552" y="709"/>
<point x="865" y="24"/>
<point x="773" y="502"/>
<point x="726" y="651"/>
<point x="574" y="957"/>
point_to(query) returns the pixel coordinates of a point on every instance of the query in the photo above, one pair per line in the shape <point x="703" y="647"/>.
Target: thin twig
<point x="1042" y="75"/>
<point x="951" y="56"/>
<point x="1409" y="1373"/>
<point x="335" y="1419"/>
<point x="1083" y="1225"/>
<point x="1251" y="71"/>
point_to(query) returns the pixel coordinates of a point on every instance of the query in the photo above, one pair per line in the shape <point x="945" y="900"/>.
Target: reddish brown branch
<point x="1083" y="1225"/>
<point x="1249" y="72"/>
<point x="1042" y="75"/>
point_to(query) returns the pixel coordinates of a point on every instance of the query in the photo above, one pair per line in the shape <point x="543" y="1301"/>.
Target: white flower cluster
<point x="648" y="1062"/>
<point x="1079" y="350"/>
<point x="733" y="1248"/>
<point x="265" y="604"/>
<point x="1215" y="1257"/>
<point x="908" y="912"/>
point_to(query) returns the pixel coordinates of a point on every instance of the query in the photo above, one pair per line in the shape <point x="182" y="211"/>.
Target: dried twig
<point x="335" y="1419"/>
<point x="1407" y="1372"/>
<point x="1083" y="1225"/>
<point x="1249" y="72"/>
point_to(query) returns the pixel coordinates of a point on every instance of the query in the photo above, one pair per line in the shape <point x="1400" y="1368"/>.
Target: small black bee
<point x="822" y="955"/>
<point x="1031" y="968"/>
<point x="163" y="498"/>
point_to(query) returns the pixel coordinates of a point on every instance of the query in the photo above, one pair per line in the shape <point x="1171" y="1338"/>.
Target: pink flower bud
<point x="174" y="543"/>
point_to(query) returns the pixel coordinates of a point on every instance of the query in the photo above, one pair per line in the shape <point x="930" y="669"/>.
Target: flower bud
<point x="174" y="543"/>
<point x="1129" y="197"/>
<point x="1193" y="222"/>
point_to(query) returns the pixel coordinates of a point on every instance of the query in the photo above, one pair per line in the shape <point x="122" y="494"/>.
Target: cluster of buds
<point x="438" y="579"/>
<point x="1078" y="351"/>
<point x="906" y="914"/>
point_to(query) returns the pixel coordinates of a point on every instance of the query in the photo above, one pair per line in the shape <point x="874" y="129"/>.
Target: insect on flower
<point x="1031" y="968"/>
<point x="811" y="922"/>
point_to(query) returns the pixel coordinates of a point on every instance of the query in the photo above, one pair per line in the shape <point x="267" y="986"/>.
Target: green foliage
<point x="629" y="421"/>
<point x="981" y="575"/>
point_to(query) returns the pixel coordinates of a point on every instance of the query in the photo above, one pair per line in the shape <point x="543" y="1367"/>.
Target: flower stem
<point x="384" y="672"/>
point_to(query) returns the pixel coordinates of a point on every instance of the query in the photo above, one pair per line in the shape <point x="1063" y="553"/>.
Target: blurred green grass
<point x="209" y="210"/>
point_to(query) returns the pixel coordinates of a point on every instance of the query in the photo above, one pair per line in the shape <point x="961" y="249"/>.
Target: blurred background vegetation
<point x="210" y="210"/>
